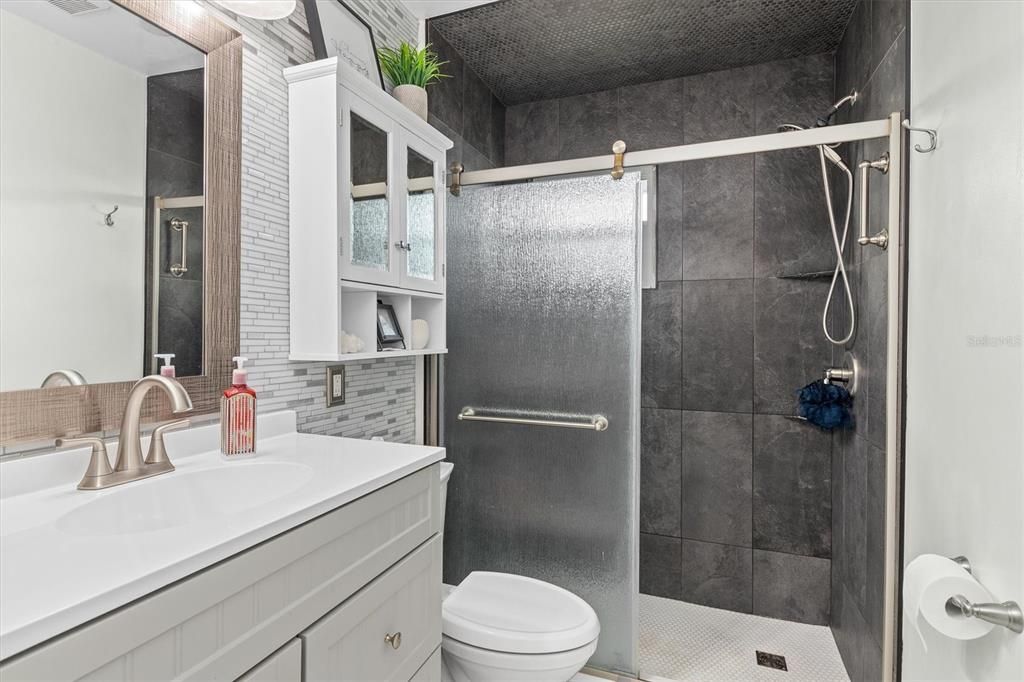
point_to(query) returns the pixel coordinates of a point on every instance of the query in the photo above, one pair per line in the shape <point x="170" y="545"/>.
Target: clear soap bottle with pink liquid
<point x="238" y="415"/>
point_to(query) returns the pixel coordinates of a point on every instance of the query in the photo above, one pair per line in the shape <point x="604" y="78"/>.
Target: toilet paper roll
<point x="929" y="582"/>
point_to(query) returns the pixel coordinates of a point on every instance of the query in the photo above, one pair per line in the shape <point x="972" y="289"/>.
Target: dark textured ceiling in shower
<point x="528" y="50"/>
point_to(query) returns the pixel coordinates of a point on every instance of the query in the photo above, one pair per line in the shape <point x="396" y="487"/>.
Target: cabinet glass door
<point x="423" y="221"/>
<point x="368" y="256"/>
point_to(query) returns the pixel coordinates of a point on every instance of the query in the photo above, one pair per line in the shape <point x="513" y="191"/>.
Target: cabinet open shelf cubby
<point x="359" y="317"/>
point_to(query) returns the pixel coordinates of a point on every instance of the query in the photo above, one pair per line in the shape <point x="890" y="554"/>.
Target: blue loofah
<point x="826" y="405"/>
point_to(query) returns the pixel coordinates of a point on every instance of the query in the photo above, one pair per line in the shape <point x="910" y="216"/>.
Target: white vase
<point x="414" y="98"/>
<point x="420" y="334"/>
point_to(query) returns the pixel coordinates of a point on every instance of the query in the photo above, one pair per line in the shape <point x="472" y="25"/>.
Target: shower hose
<point x="840" y="245"/>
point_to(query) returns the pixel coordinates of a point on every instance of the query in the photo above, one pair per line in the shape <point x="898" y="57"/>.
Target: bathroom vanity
<point x="320" y="558"/>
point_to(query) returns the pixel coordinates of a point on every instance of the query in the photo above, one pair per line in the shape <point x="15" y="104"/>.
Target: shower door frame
<point x="890" y="128"/>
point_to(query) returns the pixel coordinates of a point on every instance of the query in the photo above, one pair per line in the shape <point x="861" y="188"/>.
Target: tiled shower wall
<point x="464" y="108"/>
<point x="871" y="59"/>
<point x="174" y="168"/>
<point x="735" y="498"/>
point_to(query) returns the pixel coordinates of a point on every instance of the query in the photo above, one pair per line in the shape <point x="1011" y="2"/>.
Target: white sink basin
<point x="182" y="498"/>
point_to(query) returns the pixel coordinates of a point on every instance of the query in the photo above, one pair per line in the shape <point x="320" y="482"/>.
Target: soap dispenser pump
<point x="167" y="370"/>
<point x="238" y="414"/>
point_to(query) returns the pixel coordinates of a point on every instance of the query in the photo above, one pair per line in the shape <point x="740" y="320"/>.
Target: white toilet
<point x="498" y="627"/>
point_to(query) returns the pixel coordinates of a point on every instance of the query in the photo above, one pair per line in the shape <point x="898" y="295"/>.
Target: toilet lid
<point x="515" y="614"/>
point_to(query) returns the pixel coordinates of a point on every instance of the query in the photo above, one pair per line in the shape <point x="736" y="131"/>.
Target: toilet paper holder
<point x="1008" y="614"/>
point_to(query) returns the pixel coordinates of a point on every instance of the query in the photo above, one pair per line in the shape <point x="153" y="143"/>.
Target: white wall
<point x="965" y="440"/>
<point x="73" y="141"/>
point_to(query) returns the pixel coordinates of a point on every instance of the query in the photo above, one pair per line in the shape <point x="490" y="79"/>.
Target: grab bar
<point x="881" y="240"/>
<point x="179" y="225"/>
<point x="597" y="422"/>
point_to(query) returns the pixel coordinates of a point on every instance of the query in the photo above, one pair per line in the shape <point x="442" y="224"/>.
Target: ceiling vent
<point x="79" y="7"/>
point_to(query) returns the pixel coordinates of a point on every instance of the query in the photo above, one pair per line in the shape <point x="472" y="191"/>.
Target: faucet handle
<point x="99" y="462"/>
<point x="157" y="450"/>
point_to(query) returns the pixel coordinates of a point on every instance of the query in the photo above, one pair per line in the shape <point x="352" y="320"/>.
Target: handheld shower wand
<point x="828" y="155"/>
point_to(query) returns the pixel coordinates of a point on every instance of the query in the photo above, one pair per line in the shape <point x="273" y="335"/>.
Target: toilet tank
<point x="446" y="472"/>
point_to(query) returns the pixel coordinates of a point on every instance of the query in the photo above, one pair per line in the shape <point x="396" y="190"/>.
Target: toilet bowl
<point x="498" y="627"/>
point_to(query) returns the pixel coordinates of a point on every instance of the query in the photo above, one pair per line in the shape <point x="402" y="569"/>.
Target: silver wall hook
<point x="108" y="218"/>
<point x="933" y="137"/>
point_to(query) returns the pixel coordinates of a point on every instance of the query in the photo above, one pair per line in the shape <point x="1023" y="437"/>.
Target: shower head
<point x="833" y="156"/>
<point x="825" y="120"/>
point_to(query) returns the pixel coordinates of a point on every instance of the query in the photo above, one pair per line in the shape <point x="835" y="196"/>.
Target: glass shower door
<point x="543" y="323"/>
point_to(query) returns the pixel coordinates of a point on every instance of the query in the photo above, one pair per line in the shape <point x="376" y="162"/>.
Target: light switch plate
<point x="335" y="385"/>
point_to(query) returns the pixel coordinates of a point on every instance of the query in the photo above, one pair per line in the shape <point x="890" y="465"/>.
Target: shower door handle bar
<point x="881" y="240"/>
<point x="179" y="225"/>
<point x="597" y="422"/>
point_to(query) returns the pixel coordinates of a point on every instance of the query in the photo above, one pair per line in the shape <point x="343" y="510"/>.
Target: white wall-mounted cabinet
<point x="367" y="200"/>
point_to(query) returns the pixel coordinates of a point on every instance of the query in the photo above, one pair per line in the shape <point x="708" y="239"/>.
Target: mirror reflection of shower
<point x="826" y="155"/>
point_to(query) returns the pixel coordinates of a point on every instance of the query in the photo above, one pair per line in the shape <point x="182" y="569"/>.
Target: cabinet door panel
<point x="366" y="201"/>
<point x="431" y="670"/>
<point x="422" y="216"/>
<point x="284" y="665"/>
<point x="388" y="630"/>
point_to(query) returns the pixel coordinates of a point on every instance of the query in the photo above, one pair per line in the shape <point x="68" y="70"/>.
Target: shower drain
<point x="773" y="661"/>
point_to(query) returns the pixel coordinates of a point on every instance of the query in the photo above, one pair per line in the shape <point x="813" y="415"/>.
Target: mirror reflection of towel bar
<point x="597" y="422"/>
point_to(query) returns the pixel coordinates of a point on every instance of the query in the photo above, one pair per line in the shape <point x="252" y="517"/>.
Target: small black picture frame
<point x="361" y="62"/>
<point x="388" y="330"/>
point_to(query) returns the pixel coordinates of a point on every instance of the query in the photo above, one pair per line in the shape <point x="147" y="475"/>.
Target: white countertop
<point x="61" y="566"/>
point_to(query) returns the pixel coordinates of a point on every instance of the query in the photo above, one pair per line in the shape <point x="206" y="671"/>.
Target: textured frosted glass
<point x="370" y="233"/>
<point x="421" y="235"/>
<point x="369" y="156"/>
<point x="543" y="317"/>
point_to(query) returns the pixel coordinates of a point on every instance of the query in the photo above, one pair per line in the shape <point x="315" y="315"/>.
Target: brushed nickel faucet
<point x="130" y="465"/>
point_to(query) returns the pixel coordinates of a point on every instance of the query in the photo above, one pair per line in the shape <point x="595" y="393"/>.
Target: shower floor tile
<point x="681" y="641"/>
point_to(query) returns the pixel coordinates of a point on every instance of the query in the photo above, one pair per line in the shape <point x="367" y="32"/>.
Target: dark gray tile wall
<point x="174" y="168"/>
<point x="464" y="108"/>
<point x="735" y="499"/>
<point x="872" y="59"/>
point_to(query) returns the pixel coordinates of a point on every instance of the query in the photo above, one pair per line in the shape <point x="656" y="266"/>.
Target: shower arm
<point x="881" y="239"/>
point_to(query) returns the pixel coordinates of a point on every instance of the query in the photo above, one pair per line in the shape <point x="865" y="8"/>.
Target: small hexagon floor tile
<point x="682" y="642"/>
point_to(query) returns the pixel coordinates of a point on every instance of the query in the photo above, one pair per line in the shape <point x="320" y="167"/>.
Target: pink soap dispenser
<point x="238" y="415"/>
<point x="167" y="370"/>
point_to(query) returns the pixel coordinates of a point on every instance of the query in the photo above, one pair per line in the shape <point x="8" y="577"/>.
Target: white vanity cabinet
<point x="403" y="603"/>
<point x="366" y="212"/>
<point x="284" y="665"/>
<point x="322" y="601"/>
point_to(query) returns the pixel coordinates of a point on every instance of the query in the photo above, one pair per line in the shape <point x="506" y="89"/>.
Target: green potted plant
<point x="411" y="70"/>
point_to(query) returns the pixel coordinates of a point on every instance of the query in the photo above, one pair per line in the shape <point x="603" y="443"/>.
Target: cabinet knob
<point x="394" y="640"/>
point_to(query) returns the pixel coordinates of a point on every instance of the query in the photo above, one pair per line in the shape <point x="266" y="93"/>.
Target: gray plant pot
<point x="414" y="98"/>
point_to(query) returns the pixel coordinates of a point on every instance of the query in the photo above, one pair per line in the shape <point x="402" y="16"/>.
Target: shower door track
<point x="890" y="128"/>
<point x="812" y="137"/>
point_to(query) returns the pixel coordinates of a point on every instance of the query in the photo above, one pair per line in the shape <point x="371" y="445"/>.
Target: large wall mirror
<point x="119" y="207"/>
